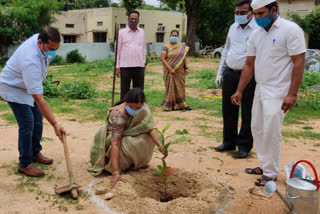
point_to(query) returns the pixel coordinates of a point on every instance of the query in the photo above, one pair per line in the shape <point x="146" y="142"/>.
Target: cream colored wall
<point x="79" y="21"/>
<point x="151" y="19"/>
<point x="101" y="15"/>
<point x="86" y="22"/>
<point x="302" y="7"/>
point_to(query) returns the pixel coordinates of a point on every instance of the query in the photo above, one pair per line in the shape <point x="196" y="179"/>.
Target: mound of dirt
<point x="192" y="193"/>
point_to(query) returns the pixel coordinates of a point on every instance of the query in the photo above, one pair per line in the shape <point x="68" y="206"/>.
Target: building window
<point x="99" y="23"/>
<point x="69" y="25"/>
<point x="141" y="26"/>
<point x="100" y="37"/>
<point x="69" y="39"/>
<point x="160" y="37"/>
<point x="177" y="26"/>
<point x="122" y="25"/>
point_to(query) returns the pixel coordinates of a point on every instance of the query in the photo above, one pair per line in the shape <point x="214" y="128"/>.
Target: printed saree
<point x="136" y="146"/>
<point x="174" y="97"/>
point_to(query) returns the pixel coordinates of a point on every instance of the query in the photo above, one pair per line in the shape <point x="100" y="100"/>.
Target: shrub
<point x="50" y="89"/>
<point x="78" y="90"/>
<point x="112" y="46"/>
<point x="207" y="79"/>
<point x="310" y="78"/>
<point x="75" y="57"/>
<point x="59" y="60"/>
<point x="106" y="65"/>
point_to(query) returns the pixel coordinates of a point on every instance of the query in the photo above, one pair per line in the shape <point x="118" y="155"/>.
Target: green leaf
<point x="161" y="136"/>
<point x="166" y="128"/>
<point x="160" y="168"/>
<point x="158" y="173"/>
<point x="167" y="146"/>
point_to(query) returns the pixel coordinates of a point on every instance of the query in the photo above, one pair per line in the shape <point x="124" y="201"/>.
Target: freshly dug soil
<point x="192" y="193"/>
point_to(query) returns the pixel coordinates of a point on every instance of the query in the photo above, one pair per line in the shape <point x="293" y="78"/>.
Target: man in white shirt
<point x="21" y="86"/>
<point x="275" y="56"/>
<point x="232" y="62"/>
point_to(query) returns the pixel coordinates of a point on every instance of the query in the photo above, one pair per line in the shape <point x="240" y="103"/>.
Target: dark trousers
<point x="231" y="138"/>
<point x="30" y="131"/>
<point x="136" y="74"/>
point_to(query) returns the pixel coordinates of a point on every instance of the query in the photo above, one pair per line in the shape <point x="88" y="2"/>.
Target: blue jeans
<point x="30" y="131"/>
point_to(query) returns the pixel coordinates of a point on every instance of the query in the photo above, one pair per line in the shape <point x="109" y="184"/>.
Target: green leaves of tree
<point x="310" y="24"/>
<point x="19" y="19"/>
<point x="132" y="4"/>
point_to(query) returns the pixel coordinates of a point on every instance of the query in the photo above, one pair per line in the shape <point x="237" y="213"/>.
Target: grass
<point x="301" y="134"/>
<point x="9" y="117"/>
<point x="31" y="184"/>
<point x="4" y="107"/>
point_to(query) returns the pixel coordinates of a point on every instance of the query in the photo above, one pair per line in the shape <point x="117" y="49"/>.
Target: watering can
<point x="302" y="195"/>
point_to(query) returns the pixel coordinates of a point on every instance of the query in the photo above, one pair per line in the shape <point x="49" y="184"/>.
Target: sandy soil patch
<point x="192" y="193"/>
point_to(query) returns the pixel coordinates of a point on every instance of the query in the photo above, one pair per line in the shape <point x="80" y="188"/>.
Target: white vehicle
<point x="217" y="53"/>
<point x="206" y="51"/>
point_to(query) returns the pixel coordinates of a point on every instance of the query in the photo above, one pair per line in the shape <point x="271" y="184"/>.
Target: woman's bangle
<point x="116" y="172"/>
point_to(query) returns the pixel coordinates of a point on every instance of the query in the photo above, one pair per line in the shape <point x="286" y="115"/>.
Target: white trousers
<point x="267" y="119"/>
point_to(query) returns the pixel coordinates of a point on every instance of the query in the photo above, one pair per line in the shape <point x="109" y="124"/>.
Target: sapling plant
<point x="164" y="170"/>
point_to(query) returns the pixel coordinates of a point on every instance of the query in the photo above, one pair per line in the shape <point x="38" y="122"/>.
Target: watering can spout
<point x="271" y="187"/>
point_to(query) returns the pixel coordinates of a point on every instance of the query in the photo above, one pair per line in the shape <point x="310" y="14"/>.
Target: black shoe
<point x="188" y="108"/>
<point x="223" y="148"/>
<point x="242" y="154"/>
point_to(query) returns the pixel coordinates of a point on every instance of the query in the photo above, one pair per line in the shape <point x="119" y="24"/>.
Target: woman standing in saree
<point x="126" y="140"/>
<point x="175" y="68"/>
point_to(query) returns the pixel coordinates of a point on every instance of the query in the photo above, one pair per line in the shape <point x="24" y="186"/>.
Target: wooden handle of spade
<point x="67" y="156"/>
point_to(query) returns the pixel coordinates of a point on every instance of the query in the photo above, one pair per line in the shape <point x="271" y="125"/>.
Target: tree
<point x="216" y="17"/>
<point x="132" y="4"/>
<point x="83" y="4"/>
<point x="192" y="8"/>
<point x="311" y="25"/>
<point x="19" y="19"/>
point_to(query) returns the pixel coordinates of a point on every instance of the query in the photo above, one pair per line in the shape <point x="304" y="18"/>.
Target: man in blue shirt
<point x="21" y="86"/>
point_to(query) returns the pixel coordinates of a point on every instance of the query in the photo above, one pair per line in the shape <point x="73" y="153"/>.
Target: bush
<point x="78" y="90"/>
<point x="58" y="61"/>
<point x="75" y="57"/>
<point x="112" y="46"/>
<point x="310" y="78"/>
<point x="50" y="89"/>
<point x="207" y="79"/>
<point x="106" y="65"/>
<point x="310" y="100"/>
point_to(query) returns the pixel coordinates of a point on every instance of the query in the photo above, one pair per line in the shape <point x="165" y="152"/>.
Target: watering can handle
<point x="316" y="180"/>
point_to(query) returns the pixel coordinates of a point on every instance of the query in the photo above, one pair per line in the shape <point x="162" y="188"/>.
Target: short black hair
<point x="49" y="33"/>
<point x="134" y="11"/>
<point x="243" y="2"/>
<point x="273" y="4"/>
<point x="135" y="95"/>
<point x="174" y="31"/>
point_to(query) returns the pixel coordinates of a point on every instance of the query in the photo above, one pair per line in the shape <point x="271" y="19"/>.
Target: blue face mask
<point x="241" y="19"/>
<point x="131" y="111"/>
<point x="174" y="39"/>
<point x="265" y="21"/>
<point x="50" y="54"/>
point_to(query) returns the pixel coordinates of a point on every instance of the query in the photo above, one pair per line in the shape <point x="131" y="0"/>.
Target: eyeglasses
<point x="241" y="13"/>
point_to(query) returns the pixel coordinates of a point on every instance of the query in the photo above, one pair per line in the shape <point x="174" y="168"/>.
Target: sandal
<point x="263" y="180"/>
<point x="254" y="171"/>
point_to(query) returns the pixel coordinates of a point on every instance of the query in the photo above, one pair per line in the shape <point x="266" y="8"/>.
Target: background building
<point x="98" y="25"/>
<point x="302" y="7"/>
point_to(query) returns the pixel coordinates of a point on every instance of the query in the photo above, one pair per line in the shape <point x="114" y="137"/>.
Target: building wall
<point x="85" y="22"/>
<point x="302" y="7"/>
<point x="78" y="19"/>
